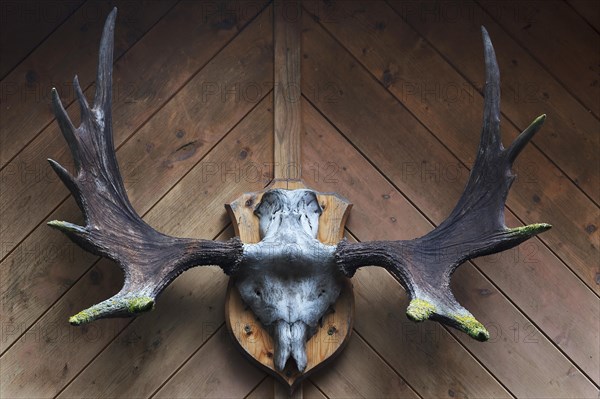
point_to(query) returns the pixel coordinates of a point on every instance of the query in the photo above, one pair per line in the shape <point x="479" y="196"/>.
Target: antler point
<point x="83" y="317"/>
<point x="531" y="229"/>
<point x="471" y="326"/>
<point x="66" y="226"/>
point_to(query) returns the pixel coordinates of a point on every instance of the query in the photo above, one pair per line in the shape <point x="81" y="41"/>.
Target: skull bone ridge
<point x="289" y="279"/>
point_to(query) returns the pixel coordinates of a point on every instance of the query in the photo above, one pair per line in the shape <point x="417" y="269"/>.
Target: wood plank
<point x="141" y="87"/>
<point x="553" y="33"/>
<point x="569" y="135"/>
<point x="360" y="373"/>
<point x="151" y="162"/>
<point x="312" y="392"/>
<point x="217" y="370"/>
<point x="427" y="172"/>
<point x="26" y="106"/>
<point x="557" y="292"/>
<point x="588" y="10"/>
<point x="157" y="343"/>
<point x="25" y="24"/>
<point x="424" y="354"/>
<point x="265" y="390"/>
<point x="287" y="122"/>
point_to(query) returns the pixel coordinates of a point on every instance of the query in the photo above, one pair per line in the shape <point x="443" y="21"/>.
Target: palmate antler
<point x="150" y="260"/>
<point x="474" y="228"/>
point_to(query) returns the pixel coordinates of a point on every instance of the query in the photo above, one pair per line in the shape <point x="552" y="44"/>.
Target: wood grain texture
<point x="287" y="81"/>
<point x="213" y="378"/>
<point x="359" y="372"/>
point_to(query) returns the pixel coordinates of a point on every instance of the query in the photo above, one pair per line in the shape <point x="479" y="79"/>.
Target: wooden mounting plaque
<point x="248" y="334"/>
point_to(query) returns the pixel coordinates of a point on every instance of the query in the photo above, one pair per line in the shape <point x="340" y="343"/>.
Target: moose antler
<point x="150" y="260"/>
<point x="474" y="228"/>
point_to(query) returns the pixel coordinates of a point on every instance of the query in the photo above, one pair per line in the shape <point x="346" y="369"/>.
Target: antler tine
<point x="150" y="260"/>
<point x="474" y="228"/>
<point x="103" y="96"/>
<point x="490" y="136"/>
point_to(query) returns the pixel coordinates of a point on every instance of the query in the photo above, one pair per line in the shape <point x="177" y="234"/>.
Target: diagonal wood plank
<point x="553" y="33"/>
<point x="25" y="24"/>
<point x="381" y="212"/>
<point x="138" y="352"/>
<point x="26" y="90"/>
<point x="264" y="390"/>
<point x="143" y="83"/>
<point x="311" y="391"/>
<point x="588" y="10"/>
<point x="213" y="378"/>
<point x="150" y="163"/>
<point x="401" y="145"/>
<point x="359" y="373"/>
<point x="557" y="292"/>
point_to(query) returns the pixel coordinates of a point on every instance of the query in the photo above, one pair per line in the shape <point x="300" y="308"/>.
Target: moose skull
<point x="289" y="279"/>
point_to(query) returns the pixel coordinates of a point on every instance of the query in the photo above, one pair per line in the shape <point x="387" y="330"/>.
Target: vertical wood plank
<point x="286" y="75"/>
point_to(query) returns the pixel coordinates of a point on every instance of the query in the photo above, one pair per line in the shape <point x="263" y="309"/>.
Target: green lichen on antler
<point x="419" y="310"/>
<point x="139" y="304"/>
<point x="126" y="306"/>
<point x="471" y="326"/>
<point x="84" y="317"/>
<point x="531" y="229"/>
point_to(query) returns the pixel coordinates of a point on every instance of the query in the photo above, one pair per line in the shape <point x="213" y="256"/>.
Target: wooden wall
<point x="391" y="107"/>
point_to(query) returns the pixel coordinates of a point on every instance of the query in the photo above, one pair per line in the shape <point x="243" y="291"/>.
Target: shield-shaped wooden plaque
<point x="248" y="334"/>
